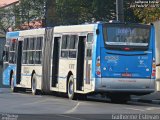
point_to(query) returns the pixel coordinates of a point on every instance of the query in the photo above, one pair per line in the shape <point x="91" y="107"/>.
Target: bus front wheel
<point x="70" y="90"/>
<point x="13" y="88"/>
<point x="34" y="85"/>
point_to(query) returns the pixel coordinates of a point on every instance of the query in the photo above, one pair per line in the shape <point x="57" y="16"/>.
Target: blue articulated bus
<point x="115" y="59"/>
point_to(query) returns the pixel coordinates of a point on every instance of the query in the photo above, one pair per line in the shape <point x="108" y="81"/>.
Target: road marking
<point x="153" y="108"/>
<point x="73" y="109"/>
<point x="135" y="109"/>
<point x="71" y="117"/>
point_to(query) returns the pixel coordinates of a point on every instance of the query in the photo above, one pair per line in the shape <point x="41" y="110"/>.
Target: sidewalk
<point x="150" y="98"/>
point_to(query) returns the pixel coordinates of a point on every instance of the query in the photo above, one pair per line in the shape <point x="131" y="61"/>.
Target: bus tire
<point x="13" y="88"/>
<point x="70" y="88"/>
<point x="34" y="85"/>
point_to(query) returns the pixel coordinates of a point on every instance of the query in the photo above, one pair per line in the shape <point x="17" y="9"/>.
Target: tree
<point x="147" y="15"/>
<point x="50" y="13"/>
<point x="141" y="14"/>
<point x="129" y="15"/>
<point x="29" y="10"/>
<point x="7" y="19"/>
<point x="80" y="11"/>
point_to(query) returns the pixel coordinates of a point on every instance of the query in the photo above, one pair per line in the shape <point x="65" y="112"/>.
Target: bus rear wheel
<point x="34" y="85"/>
<point x="13" y="88"/>
<point x="70" y="88"/>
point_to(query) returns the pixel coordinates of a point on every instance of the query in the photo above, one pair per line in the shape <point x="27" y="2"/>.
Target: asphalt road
<point x="27" y="106"/>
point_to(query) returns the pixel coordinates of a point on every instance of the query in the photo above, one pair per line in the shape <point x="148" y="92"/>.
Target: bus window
<point x="89" y="53"/>
<point x="90" y="37"/>
<point x="24" y="59"/>
<point x="65" y="40"/>
<point x="121" y="36"/>
<point x="64" y="46"/>
<point x="26" y="44"/>
<point x="73" y="42"/>
<point x="38" y="57"/>
<point x="39" y="43"/>
<point x="31" y="43"/>
<point x="28" y="51"/>
<point x="12" y="51"/>
<point x="38" y="50"/>
<point x="31" y="57"/>
<point x="73" y="46"/>
<point x="11" y="57"/>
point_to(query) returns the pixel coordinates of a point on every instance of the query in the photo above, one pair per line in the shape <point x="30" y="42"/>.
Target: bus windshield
<point x="126" y="35"/>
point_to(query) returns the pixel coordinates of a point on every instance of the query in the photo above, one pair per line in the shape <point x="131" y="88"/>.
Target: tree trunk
<point x="50" y="19"/>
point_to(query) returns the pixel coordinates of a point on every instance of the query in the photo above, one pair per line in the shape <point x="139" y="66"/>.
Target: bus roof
<point x="14" y="34"/>
<point x="32" y="32"/>
<point x="75" y="28"/>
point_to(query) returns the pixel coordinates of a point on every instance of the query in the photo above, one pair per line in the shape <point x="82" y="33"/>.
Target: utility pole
<point x="50" y="13"/>
<point x="119" y="10"/>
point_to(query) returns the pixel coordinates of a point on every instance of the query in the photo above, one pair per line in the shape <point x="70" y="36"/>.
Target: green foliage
<point x="29" y="10"/>
<point x="65" y="12"/>
<point x="129" y="15"/>
<point x="141" y="14"/>
<point x="80" y="11"/>
<point x="7" y="19"/>
<point x="147" y="15"/>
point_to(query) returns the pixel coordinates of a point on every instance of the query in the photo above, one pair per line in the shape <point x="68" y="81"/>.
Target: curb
<point x="145" y="101"/>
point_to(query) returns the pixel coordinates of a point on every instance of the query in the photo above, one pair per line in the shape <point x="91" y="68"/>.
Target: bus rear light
<point x="98" y="68"/>
<point x="153" y="74"/>
<point x="98" y="64"/>
<point x="98" y="73"/>
<point x="153" y="69"/>
<point x="13" y="40"/>
<point x="153" y="65"/>
<point x="126" y="48"/>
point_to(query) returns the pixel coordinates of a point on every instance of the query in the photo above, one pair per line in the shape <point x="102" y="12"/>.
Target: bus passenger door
<point x="80" y="63"/>
<point x="19" y="62"/>
<point x="88" y="67"/>
<point x="55" y="61"/>
<point x="88" y="63"/>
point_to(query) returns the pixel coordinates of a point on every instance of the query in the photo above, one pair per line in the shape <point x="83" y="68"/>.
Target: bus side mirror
<point x="97" y="31"/>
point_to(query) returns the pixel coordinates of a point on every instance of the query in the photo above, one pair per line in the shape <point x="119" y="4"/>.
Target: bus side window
<point x="39" y="43"/>
<point x="25" y="52"/>
<point x="12" y="57"/>
<point x="90" y="37"/>
<point x="64" y="46"/>
<point x="38" y="49"/>
<point x="31" y="43"/>
<point x="31" y="51"/>
<point x="89" y="53"/>
<point x="89" y="45"/>
<point x="73" y="42"/>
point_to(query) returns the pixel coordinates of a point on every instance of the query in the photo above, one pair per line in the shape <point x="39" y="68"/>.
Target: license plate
<point x="126" y="75"/>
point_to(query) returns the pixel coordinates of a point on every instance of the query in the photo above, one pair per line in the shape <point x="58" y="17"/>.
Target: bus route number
<point x="71" y="66"/>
